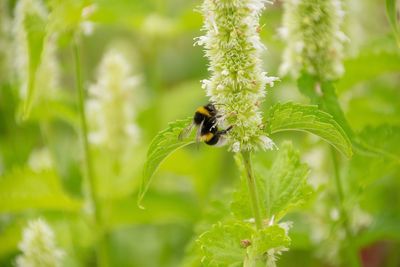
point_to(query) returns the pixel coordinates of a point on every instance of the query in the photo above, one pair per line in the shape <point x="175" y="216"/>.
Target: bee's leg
<point x="219" y="119"/>
<point x="226" y="130"/>
<point x="215" y="124"/>
<point x="214" y="121"/>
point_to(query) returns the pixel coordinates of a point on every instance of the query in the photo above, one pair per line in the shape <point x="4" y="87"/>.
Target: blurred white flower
<point x="88" y="11"/>
<point x="314" y="40"/>
<point x="87" y="26"/>
<point x="38" y="246"/>
<point x="40" y="160"/>
<point x="155" y="25"/>
<point x="316" y="158"/>
<point x="273" y="255"/>
<point x="237" y="83"/>
<point x="359" y="219"/>
<point x="110" y="106"/>
<point x="325" y="234"/>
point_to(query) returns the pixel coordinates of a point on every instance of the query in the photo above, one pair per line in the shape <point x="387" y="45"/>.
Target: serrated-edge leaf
<point x="328" y="102"/>
<point x="273" y="236"/>
<point x="308" y="118"/>
<point x="164" y="144"/>
<point x="391" y="11"/>
<point x="221" y="245"/>
<point x="286" y="182"/>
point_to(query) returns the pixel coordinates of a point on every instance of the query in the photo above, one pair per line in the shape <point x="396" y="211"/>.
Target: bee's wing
<point x="222" y="141"/>
<point x="198" y="133"/>
<point x="186" y="131"/>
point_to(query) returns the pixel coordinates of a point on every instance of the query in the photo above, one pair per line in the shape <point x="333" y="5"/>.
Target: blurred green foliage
<point x="194" y="187"/>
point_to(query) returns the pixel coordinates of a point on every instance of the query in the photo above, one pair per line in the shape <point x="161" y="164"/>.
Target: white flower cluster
<point x="40" y="160"/>
<point x="109" y="108"/>
<point x="38" y="246"/>
<point x="237" y="84"/>
<point x="314" y="41"/>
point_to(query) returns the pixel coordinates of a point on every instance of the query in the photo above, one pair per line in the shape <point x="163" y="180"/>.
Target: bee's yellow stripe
<point x="203" y="111"/>
<point x="207" y="137"/>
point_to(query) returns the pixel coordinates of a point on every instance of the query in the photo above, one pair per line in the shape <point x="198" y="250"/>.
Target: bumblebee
<point x="212" y="136"/>
<point x="206" y="120"/>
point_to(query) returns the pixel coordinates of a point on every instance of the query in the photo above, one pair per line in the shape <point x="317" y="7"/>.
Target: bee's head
<point x="211" y="108"/>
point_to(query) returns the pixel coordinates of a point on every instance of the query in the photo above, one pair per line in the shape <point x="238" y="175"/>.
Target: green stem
<point x="352" y="252"/>
<point x="102" y="255"/>
<point x="29" y="97"/>
<point x="251" y="183"/>
<point x="86" y="149"/>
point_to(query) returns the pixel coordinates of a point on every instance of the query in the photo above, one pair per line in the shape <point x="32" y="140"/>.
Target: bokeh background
<point x="41" y="158"/>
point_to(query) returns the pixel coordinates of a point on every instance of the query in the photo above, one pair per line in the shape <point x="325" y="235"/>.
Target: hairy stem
<point x="252" y="185"/>
<point x="352" y="252"/>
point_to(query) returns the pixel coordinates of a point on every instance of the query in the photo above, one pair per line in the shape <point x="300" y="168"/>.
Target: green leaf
<point x="384" y="140"/>
<point x="360" y="69"/>
<point x="323" y="94"/>
<point x="286" y="182"/>
<point x="23" y="189"/>
<point x="391" y="11"/>
<point x="308" y="118"/>
<point x="35" y="31"/>
<point x="273" y="236"/>
<point x="240" y="244"/>
<point x="163" y="208"/>
<point x="222" y="245"/>
<point x="385" y="137"/>
<point x="163" y="145"/>
<point x="66" y="16"/>
<point x="52" y="110"/>
<point x="9" y="238"/>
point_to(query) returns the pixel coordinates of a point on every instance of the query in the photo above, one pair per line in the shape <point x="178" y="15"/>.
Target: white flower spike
<point x="110" y="104"/>
<point x="311" y="30"/>
<point x="38" y="246"/>
<point x="237" y="83"/>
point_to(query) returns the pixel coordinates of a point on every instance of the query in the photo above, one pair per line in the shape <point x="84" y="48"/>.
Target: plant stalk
<point x="252" y="185"/>
<point x="101" y="251"/>
<point x="354" y="259"/>
<point x="83" y="120"/>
